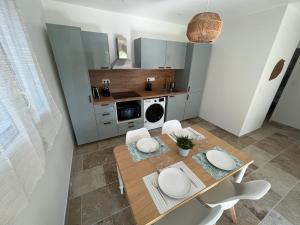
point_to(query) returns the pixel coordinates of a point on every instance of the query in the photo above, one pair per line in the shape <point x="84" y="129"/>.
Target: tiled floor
<point x="95" y="199"/>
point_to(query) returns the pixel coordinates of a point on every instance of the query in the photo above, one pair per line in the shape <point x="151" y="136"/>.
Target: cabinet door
<point x="192" y="105"/>
<point x="175" y="54"/>
<point x="153" y="53"/>
<point x="70" y="60"/>
<point x="96" y="50"/>
<point x="175" y="107"/>
<point x="198" y="68"/>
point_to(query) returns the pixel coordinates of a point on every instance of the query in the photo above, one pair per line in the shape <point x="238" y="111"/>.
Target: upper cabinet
<point x="66" y="43"/>
<point x="159" y="54"/>
<point x="175" y="54"/>
<point x="96" y="50"/>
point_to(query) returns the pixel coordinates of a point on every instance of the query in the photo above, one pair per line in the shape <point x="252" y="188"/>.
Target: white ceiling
<point x="181" y="11"/>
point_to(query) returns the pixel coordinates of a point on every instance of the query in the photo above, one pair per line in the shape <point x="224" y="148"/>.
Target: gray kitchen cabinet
<point x="159" y="54"/>
<point x="125" y="126"/>
<point x="70" y="60"/>
<point x="96" y="49"/>
<point x="150" y="53"/>
<point x="176" y="107"/>
<point x="107" y="129"/>
<point x="175" y="54"/>
<point x="192" y="105"/>
<point x="192" y="78"/>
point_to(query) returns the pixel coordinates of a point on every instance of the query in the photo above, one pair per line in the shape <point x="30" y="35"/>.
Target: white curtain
<point x="29" y="118"/>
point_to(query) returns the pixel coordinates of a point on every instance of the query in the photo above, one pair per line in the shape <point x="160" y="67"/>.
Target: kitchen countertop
<point x="143" y="95"/>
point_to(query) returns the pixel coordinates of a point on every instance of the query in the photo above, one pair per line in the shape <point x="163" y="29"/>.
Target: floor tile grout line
<point x="281" y="199"/>
<point x="121" y="210"/>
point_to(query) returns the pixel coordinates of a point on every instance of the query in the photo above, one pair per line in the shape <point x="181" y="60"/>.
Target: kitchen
<point x="165" y="84"/>
<point x="115" y="115"/>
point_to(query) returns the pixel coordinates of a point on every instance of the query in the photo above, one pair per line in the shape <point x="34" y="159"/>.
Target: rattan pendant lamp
<point x="204" y="27"/>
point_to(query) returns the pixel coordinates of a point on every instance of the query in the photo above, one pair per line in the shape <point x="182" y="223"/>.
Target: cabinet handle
<point x="104" y="67"/>
<point x="161" y="67"/>
<point x="131" y="126"/>
<point x="104" y="104"/>
<point x="90" y="99"/>
<point x="131" y="122"/>
<point x="189" y="88"/>
<point x="106" y="123"/>
<point x="105" y="114"/>
<point x="171" y="96"/>
<point x="169" y="67"/>
<point x="187" y="97"/>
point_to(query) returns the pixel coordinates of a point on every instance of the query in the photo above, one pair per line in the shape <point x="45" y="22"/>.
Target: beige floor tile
<point x="87" y="148"/>
<point x="289" y="207"/>
<point x="263" y="132"/>
<point x="110" y="172"/>
<point x="260" y="208"/>
<point x="107" y="221"/>
<point x="220" y="133"/>
<point x="97" y="158"/>
<point x="102" y="203"/>
<point x="111" y="142"/>
<point x="244" y="217"/>
<point x="239" y="142"/>
<point x="259" y="156"/>
<point x="77" y="163"/>
<point x="74" y="213"/>
<point x="275" y="218"/>
<point x="124" y="217"/>
<point x="86" y="181"/>
<point x="281" y="181"/>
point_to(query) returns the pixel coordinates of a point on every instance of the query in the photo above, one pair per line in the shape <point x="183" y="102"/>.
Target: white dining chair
<point x="192" y="213"/>
<point x="170" y="126"/>
<point x="228" y="193"/>
<point x="134" y="135"/>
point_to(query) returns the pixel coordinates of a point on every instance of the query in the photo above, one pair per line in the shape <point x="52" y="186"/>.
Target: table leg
<point x="121" y="186"/>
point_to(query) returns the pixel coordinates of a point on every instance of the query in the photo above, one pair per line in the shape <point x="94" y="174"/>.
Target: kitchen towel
<point x="166" y="203"/>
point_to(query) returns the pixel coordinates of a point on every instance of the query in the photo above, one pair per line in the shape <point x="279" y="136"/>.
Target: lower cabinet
<point x="123" y="127"/>
<point x="192" y="105"/>
<point x="107" y="129"/>
<point x="176" y="107"/>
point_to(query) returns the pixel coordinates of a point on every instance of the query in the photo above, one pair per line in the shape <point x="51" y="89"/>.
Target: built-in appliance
<point x="122" y="61"/>
<point x="154" y="112"/>
<point x="128" y="110"/>
<point x="126" y="94"/>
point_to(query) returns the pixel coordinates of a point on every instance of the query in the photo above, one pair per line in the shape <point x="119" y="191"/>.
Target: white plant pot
<point x="184" y="152"/>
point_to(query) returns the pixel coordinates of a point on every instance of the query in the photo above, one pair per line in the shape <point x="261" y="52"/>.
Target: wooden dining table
<point x="143" y="208"/>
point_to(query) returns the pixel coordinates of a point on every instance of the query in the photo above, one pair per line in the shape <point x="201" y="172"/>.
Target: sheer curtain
<point x="29" y="118"/>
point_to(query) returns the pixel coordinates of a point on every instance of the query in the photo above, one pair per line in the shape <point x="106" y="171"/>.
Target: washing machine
<point x="154" y="112"/>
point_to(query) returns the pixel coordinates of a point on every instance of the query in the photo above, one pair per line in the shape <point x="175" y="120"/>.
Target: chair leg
<point x="121" y="186"/>
<point x="233" y="215"/>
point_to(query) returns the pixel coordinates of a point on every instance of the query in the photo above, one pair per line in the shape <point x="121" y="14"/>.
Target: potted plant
<point x="185" y="144"/>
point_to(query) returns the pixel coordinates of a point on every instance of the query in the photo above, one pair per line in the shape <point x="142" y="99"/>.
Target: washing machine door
<point x="154" y="113"/>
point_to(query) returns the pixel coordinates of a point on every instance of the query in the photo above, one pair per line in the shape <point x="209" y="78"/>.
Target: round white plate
<point x="147" y="145"/>
<point x="220" y="159"/>
<point x="183" y="133"/>
<point x="174" y="183"/>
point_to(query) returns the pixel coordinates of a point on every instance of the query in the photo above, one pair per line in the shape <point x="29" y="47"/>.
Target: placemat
<point x="137" y="155"/>
<point x="213" y="171"/>
<point x="165" y="203"/>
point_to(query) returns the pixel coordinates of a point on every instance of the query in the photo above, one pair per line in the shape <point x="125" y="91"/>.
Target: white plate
<point x="221" y="160"/>
<point x="147" y="145"/>
<point x="174" y="183"/>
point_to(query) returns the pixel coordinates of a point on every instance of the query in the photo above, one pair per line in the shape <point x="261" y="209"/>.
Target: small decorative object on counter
<point x="96" y="93"/>
<point x="105" y="90"/>
<point x="148" y="85"/>
<point x="185" y="144"/>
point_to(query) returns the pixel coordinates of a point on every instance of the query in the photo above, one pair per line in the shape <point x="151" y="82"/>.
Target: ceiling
<point x="181" y="11"/>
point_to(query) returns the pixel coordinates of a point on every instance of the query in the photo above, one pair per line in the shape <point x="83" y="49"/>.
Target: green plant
<point x="185" y="142"/>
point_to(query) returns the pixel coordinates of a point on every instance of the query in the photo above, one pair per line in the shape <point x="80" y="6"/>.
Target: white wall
<point x="112" y="23"/>
<point x="237" y="62"/>
<point x="48" y="203"/>
<point x="288" y="108"/>
<point x="284" y="46"/>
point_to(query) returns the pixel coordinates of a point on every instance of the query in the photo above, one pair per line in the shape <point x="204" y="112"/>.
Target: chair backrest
<point x="171" y="126"/>
<point x="213" y="216"/>
<point x="252" y="190"/>
<point x="134" y="135"/>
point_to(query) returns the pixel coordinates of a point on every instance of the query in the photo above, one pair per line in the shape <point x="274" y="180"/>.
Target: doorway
<point x="283" y="83"/>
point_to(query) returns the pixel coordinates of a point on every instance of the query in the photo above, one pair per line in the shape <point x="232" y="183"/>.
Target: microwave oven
<point x="128" y="110"/>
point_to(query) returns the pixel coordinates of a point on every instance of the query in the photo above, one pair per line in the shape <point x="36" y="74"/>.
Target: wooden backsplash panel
<point x="131" y="79"/>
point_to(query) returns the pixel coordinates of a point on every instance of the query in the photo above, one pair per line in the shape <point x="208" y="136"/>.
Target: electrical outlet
<point x="150" y="78"/>
<point x="105" y="81"/>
